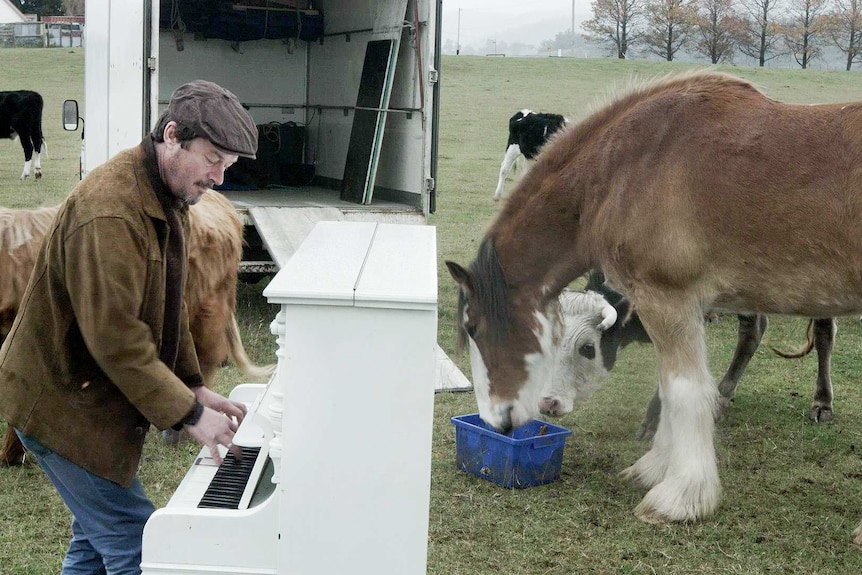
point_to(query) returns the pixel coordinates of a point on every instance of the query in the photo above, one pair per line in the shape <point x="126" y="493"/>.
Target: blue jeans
<point x="107" y="518"/>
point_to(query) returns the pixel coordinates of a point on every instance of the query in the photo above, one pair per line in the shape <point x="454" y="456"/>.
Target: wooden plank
<point x="449" y="377"/>
<point x="368" y="123"/>
<point x="283" y="229"/>
<point x="375" y="87"/>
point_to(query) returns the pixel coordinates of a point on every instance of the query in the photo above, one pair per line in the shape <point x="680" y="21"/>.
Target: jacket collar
<point x="156" y="197"/>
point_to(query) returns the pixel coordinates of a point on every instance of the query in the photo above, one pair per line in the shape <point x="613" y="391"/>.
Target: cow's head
<point x="588" y="347"/>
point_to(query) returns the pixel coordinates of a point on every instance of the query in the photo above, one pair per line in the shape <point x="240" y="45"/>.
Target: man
<point x="100" y="348"/>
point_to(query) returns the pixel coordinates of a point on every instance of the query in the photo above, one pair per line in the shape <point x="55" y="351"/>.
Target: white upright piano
<point x="336" y="472"/>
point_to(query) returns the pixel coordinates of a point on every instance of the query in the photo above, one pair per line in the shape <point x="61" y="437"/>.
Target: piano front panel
<point x="344" y="427"/>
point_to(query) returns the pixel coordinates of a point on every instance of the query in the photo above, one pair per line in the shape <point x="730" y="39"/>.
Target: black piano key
<point x="225" y="490"/>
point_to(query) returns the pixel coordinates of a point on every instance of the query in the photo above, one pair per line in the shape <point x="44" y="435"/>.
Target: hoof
<point x="11" y="461"/>
<point x="649" y="515"/>
<point x="636" y="478"/>
<point x="821" y="414"/>
<point x="673" y="502"/>
<point x="38" y="175"/>
<point x="857" y="536"/>
<point x="648" y="471"/>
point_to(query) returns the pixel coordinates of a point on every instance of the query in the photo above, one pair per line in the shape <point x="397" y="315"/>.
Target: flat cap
<point x="215" y="114"/>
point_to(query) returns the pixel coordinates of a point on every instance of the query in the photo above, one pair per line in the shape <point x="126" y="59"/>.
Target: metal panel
<point x="114" y="95"/>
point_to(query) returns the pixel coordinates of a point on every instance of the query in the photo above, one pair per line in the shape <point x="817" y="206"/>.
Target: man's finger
<point x="236" y="450"/>
<point x="215" y="453"/>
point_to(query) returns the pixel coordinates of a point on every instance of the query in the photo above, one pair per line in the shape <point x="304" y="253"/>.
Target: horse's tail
<point x="237" y="352"/>
<point x="805" y="349"/>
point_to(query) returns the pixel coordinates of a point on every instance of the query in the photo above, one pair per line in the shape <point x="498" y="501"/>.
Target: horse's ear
<point x="461" y="276"/>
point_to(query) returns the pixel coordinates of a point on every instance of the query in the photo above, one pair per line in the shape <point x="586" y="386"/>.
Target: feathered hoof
<point x="643" y="475"/>
<point x="673" y="502"/>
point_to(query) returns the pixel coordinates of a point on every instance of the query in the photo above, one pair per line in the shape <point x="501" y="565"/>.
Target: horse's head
<point x="512" y="335"/>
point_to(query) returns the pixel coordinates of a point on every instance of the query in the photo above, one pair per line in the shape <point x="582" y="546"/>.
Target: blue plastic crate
<point x="531" y="455"/>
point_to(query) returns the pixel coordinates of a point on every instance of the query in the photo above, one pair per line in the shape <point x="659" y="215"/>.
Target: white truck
<point x="344" y="92"/>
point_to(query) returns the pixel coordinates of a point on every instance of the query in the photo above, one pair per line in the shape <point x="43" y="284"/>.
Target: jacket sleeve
<point x="107" y="272"/>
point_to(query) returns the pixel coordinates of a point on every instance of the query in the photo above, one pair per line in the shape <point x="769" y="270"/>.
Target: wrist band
<point x="192" y="418"/>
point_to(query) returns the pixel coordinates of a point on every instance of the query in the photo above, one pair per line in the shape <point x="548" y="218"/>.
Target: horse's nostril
<point x="550" y="406"/>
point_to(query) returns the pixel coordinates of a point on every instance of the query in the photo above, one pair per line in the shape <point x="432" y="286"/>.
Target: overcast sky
<point x="525" y="21"/>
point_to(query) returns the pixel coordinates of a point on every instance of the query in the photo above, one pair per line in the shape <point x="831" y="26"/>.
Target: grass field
<point x="792" y="489"/>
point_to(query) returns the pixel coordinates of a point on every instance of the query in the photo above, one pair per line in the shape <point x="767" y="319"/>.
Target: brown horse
<point x="694" y="193"/>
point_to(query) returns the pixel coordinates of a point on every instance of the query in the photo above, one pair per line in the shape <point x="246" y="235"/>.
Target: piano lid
<point x="361" y="264"/>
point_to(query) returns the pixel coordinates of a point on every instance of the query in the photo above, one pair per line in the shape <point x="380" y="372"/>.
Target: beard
<point x="193" y="195"/>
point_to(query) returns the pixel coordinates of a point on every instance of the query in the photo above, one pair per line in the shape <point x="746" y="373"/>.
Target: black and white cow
<point x="589" y="346"/>
<point x="21" y="116"/>
<point x="528" y="132"/>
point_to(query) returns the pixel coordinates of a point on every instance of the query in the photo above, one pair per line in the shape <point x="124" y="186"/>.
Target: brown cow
<point x="215" y="249"/>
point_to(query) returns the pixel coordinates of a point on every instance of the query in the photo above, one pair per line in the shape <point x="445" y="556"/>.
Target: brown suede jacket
<point x="80" y="370"/>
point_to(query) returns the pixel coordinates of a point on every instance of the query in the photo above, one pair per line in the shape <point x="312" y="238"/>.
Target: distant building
<point x="9" y="13"/>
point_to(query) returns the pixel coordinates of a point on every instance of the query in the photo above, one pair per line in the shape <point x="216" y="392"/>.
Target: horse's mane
<point x="20" y="227"/>
<point x="490" y="287"/>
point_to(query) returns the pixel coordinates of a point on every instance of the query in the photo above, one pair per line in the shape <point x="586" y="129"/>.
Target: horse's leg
<point x="680" y="467"/>
<point x="751" y="330"/>
<point x="512" y="153"/>
<point x="750" y="334"/>
<point x="13" y="451"/>
<point x="824" y="336"/>
<point x="649" y="425"/>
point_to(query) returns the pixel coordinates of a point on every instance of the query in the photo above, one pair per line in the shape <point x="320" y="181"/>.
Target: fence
<point x="41" y="35"/>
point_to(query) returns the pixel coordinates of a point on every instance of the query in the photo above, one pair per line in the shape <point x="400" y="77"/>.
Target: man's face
<point x="190" y="171"/>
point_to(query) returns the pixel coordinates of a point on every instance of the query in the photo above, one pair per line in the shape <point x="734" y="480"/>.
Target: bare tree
<point x="668" y="26"/>
<point x="718" y="29"/>
<point x="762" y="37"/>
<point x="615" y="22"/>
<point x="803" y="30"/>
<point x="844" y="27"/>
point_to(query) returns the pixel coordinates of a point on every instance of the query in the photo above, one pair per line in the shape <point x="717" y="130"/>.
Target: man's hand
<point x="233" y="409"/>
<point x="218" y="424"/>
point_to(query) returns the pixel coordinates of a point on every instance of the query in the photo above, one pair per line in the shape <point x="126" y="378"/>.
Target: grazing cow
<point x="693" y="193"/>
<point x="588" y="352"/>
<point x="215" y="250"/>
<point x="528" y="132"/>
<point x="21" y="116"/>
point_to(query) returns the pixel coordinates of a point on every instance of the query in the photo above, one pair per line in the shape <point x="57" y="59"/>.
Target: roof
<point x="10" y="13"/>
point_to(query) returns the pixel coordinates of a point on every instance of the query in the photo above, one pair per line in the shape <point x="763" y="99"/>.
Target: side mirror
<point x="70" y="115"/>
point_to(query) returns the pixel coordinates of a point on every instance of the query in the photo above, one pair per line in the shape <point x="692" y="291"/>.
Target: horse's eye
<point x="588" y="350"/>
<point x="471" y="331"/>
